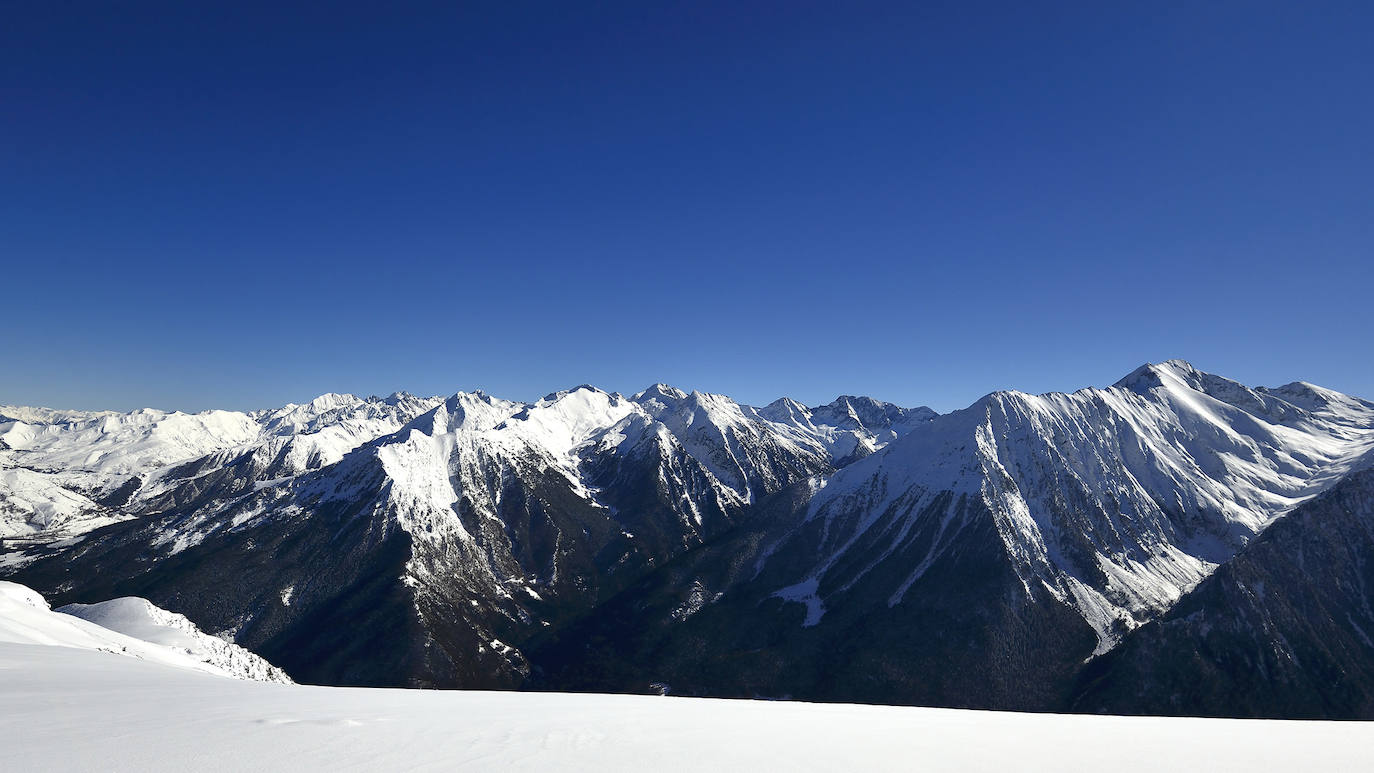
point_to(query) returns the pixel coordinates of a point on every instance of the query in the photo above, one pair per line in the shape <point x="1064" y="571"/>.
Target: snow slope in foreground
<point x="132" y="627"/>
<point x="144" y="620"/>
<point x="63" y="708"/>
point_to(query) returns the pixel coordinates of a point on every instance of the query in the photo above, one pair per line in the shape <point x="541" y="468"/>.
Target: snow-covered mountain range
<point x="1113" y="500"/>
<point x="67" y="472"/>
<point x="851" y="551"/>
<point x="489" y="518"/>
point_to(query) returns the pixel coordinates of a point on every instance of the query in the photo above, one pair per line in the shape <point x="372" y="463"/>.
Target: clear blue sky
<point x="242" y="204"/>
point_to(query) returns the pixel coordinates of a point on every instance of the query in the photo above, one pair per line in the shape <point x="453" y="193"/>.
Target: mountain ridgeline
<point x="1176" y="543"/>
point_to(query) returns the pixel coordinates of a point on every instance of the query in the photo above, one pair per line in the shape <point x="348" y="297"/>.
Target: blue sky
<point x="243" y="204"/>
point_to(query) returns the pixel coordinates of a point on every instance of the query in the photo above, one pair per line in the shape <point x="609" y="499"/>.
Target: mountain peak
<point x="1152" y="375"/>
<point x="785" y="405"/>
<point x="660" y="391"/>
<point x="859" y="412"/>
<point x="329" y="401"/>
<point x="554" y="397"/>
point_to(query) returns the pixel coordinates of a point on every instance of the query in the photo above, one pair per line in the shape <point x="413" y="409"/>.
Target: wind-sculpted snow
<point x="1114" y="501"/>
<point x="143" y="620"/>
<point x="130" y="626"/>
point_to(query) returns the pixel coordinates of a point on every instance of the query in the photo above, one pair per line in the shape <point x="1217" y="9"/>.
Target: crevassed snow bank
<point x="132" y="627"/>
<point x="69" y="709"/>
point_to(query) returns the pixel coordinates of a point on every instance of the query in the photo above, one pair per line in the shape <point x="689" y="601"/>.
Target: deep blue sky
<point x="241" y="204"/>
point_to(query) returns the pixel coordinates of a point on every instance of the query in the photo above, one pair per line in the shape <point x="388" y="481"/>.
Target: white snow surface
<point x="70" y="709"/>
<point x="130" y="627"/>
<point x="32" y="502"/>
<point x="121" y="443"/>
<point x="141" y="619"/>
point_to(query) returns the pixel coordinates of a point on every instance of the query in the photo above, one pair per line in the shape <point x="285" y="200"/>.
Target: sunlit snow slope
<point x="68" y="708"/>
<point x="1114" y="500"/>
<point x="130" y="627"/>
<point x="63" y="473"/>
